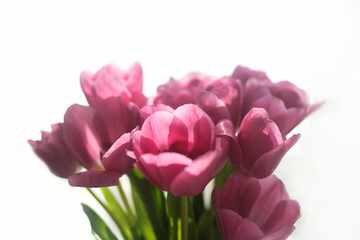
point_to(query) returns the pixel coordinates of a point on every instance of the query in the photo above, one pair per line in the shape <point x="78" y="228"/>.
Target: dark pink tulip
<point x="285" y="103"/>
<point x="54" y="152"/>
<point x="115" y="162"/>
<point x="91" y="131"/>
<point x="262" y="144"/>
<point x="257" y="209"/>
<point x="181" y="152"/>
<point x="245" y="74"/>
<point x="179" y="92"/>
<point x="111" y="81"/>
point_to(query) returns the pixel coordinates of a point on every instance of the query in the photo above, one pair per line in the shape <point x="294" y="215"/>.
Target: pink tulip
<point x="111" y="81"/>
<point x="115" y="163"/>
<point x="181" y="152"/>
<point x="220" y="98"/>
<point x="229" y="94"/>
<point x="179" y="92"/>
<point x="262" y="144"/>
<point x="286" y="104"/>
<point x="249" y="208"/>
<point x="245" y="74"/>
<point x="90" y="132"/>
<point x="54" y="152"/>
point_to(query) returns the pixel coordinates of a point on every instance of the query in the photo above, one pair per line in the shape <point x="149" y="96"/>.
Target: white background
<point x="44" y="45"/>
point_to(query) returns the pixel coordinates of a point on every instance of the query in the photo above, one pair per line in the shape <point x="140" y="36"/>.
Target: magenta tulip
<point x="262" y="144"/>
<point x="245" y="74"/>
<point x="91" y="131"/>
<point x="286" y="104"/>
<point x="115" y="162"/>
<point x="229" y="98"/>
<point x="181" y="152"/>
<point x="111" y="81"/>
<point x="54" y="152"/>
<point x="183" y="91"/>
<point x="249" y="208"/>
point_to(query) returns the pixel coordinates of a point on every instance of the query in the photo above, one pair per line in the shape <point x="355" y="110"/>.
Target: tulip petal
<point x="198" y="124"/>
<point x="116" y="158"/>
<point x="162" y="168"/>
<point x="236" y="227"/>
<point x="267" y="163"/>
<point x="147" y="110"/>
<point x="95" y="179"/>
<point x="225" y="129"/>
<point x="79" y="135"/>
<point x="213" y="106"/>
<point x="156" y="127"/>
<point x="272" y="191"/>
<point x="193" y="179"/>
<point x="239" y="193"/>
<point x="285" y="214"/>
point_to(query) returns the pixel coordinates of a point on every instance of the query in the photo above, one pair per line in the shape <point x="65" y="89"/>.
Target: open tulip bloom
<point x="198" y="134"/>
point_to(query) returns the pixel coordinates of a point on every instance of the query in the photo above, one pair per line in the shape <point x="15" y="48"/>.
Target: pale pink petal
<point x="147" y="110"/>
<point x="134" y="80"/>
<point x="191" y="114"/>
<point x="156" y="127"/>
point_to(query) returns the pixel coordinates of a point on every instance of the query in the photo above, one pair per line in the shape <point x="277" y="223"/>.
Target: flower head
<point x="54" y="152"/>
<point x="262" y="144"/>
<point x="111" y="81"/>
<point x="250" y="208"/>
<point x="181" y="152"/>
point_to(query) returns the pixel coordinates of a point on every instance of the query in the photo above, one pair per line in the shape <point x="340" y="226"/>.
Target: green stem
<point x="184" y="218"/>
<point x="107" y="209"/>
<point x="130" y="213"/>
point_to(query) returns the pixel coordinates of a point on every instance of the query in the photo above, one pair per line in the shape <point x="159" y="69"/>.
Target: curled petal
<point x="267" y="163"/>
<point x="116" y="158"/>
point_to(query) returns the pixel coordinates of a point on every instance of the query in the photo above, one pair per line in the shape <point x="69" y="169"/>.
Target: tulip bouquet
<point x="227" y="134"/>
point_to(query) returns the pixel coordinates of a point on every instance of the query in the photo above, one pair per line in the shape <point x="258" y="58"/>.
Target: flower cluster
<point x="233" y="129"/>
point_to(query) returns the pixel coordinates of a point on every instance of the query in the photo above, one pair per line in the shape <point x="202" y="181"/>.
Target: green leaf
<point x="144" y="223"/>
<point x="98" y="225"/>
<point x="153" y="201"/>
<point x="121" y="220"/>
